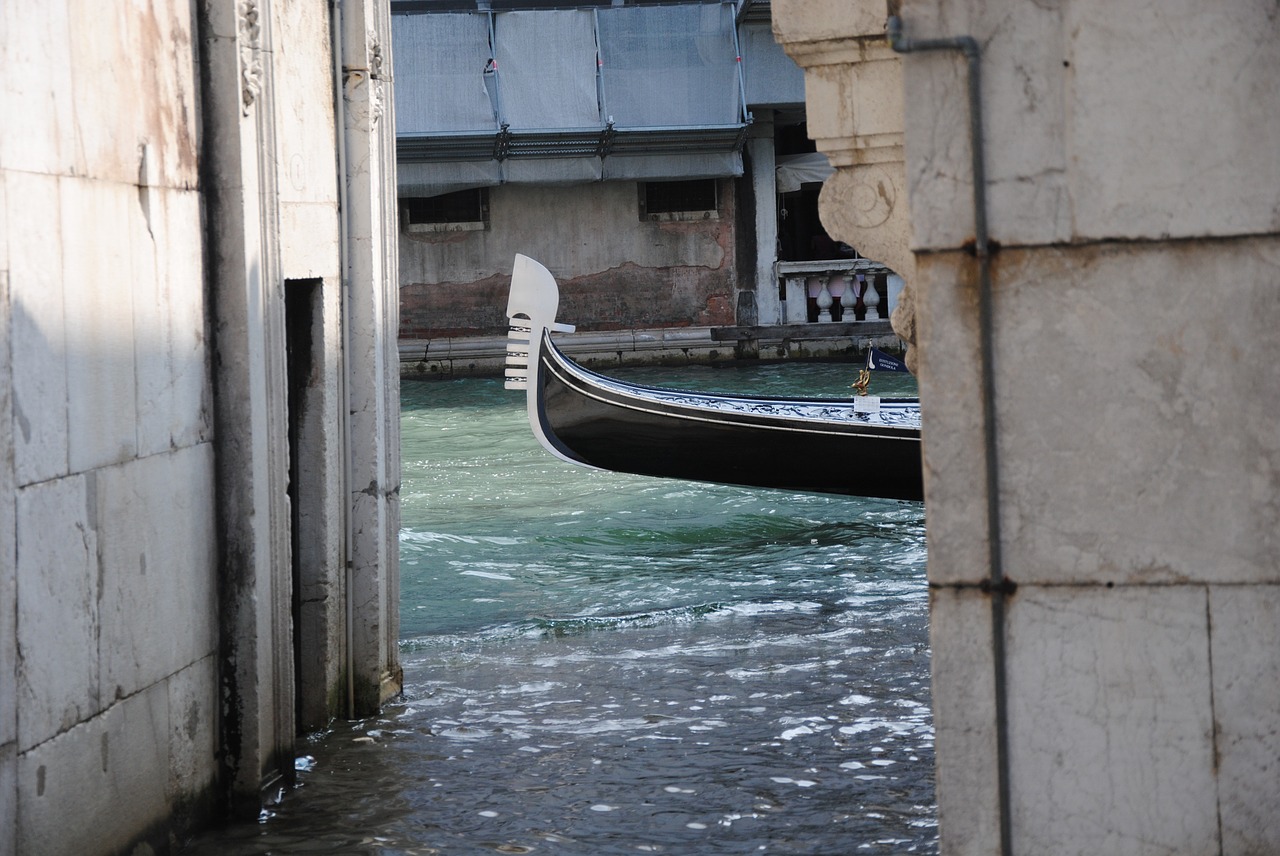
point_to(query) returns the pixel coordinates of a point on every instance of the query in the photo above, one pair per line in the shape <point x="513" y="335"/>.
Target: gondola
<point x="860" y="446"/>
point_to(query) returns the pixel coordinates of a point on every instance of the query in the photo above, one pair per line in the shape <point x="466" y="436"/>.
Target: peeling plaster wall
<point x="615" y="270"/>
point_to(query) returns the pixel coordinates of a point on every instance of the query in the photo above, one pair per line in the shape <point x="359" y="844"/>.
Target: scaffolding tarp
<point x="440" y="63"/>
<point x="547" y="69"/>
<point x="433" y="179"/>
<point x="556" y="96"/>
<point x="669" y="65"/>
<point x="561" y="170"/>
<point x="673" y="167"/>
<point x="772" y="77"/>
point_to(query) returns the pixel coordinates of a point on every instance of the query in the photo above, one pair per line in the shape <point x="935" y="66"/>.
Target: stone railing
<point x="826" y="290"/>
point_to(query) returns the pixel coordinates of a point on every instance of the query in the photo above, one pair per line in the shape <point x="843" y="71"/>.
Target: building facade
<point x="1083" y="197"/>
<point x="198" y="398"/>
<point x="652" y="155"/>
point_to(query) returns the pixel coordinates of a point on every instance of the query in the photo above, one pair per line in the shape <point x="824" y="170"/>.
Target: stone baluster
<point x="849" y="300"/>
<point x="824" y="301"/>
<point x="871" y="300"/>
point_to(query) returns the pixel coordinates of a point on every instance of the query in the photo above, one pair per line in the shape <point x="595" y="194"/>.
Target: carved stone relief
<point x="250" y="54"/>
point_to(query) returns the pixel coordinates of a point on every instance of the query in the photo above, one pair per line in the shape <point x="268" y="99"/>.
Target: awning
<point x="795" y="170"/>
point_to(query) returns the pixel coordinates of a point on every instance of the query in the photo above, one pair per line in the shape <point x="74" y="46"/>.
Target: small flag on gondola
<point x="878" y="360"/>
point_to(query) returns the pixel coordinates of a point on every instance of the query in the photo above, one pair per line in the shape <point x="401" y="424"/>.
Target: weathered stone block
<point x="8" y="546"/>
<point x="98" y="222"/>
<point x="4" y="230"/>
<point x="1245" y="623"/>
<point x="193" y="730"/>
<point x="1061" y="163"/>
<point x="951" y="392"/>
<point x="1024" y="118"/>
<point x="305" y="121"/>
<point x="1195" y="153"/>
<point x="859" y="97"/>
<point x="58" y="580"/>
<point x="1111" y="721"/>
<point x="1144" y="409"/>
<point x="38" y="345"/>
<point x="173" y="385"/>
<point x="963" y="703"/>
<point x="154" y="519"/>
<point x="1093" y="398"/>
<point x="113" y="123"/>
<point x="8" y="799"/>
<point x="822" y="20"/>
<point x="308" y="240"/>
<point x="35" y="55"/>
<point x="106" y="768"/>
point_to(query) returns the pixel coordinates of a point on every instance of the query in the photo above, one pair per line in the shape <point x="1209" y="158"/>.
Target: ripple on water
<point x="600" y="664"/>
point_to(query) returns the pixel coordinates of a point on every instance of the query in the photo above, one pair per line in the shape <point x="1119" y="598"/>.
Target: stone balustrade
<point x="827" y="290"/>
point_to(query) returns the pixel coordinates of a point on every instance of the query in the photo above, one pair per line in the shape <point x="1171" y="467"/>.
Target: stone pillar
<point x="1125" y="475"/>
<point x="764" y="187"/>
<point x="250" y="393"/>
<point x="373" y="364"/>
<point x="8" y="583"/>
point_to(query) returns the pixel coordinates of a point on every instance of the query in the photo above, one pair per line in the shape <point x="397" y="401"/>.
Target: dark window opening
<point x="660" y="198"/>
<point x="463" y="208"/>
<point x="801" y="236"/>
<point x="304" y="342"/>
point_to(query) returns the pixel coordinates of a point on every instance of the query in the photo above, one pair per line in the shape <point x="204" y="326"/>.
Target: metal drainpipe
<point x="996" y="585"/>
<point x="340" y="126"/>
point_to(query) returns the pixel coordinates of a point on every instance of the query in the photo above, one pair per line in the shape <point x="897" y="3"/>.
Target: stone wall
<point x="1102" y="549"/>
<point x="183" y="316"/>
<point x="109" y="635"/>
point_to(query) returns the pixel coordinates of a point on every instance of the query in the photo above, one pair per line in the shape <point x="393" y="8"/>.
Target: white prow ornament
<point x="531" y="311"/>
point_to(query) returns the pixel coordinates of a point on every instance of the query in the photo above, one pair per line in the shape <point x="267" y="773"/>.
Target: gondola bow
<point x="862" y="446"/>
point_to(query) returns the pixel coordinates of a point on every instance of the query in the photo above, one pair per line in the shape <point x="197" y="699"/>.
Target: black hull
<point x="811" y="445"/>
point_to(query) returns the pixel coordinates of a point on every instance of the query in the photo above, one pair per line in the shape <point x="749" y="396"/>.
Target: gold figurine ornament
<point x="864" y="380"/>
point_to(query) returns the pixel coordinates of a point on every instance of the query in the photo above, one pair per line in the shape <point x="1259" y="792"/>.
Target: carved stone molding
<point x="854" y="110"/>
<point x="377" y="86"/>
<point x="250" y="53"/>
<point x="853" y="93"/>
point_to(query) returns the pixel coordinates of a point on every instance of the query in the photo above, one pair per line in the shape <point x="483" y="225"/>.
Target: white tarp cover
<point x="432" y="179"/>
<point x="445" y="56"/>
<point x="772" y="77"/>
<point x="669" y="65"/>
<point x="673" y="167"/>
<point x="556" y="170"/>
<point x="568" y="71"/>
<point x="795" y="170"/>
<point x="547" y="69"/>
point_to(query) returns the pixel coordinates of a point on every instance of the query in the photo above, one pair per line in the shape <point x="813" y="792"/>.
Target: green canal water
<point x="598" y="663"/>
